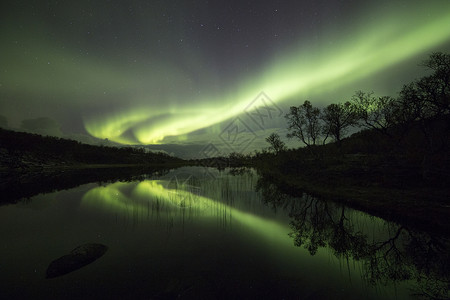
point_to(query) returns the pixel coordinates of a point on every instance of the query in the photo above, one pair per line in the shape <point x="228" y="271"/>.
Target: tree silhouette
<point x="375" y="113"/>
<point x="427" y="102"/>
<point x="437" y="85"/>
<point x="304" y="123"/>
<point x="428" y="97"/>
<point x="276" y="144"/>
<point x="338" y="118"/>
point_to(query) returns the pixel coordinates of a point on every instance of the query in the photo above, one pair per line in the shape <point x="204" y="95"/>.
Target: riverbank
<point x="18" y="184"/>
<point x="416" y="206"/>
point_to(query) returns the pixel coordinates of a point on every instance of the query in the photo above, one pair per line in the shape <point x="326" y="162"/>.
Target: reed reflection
<point x="169" y="201"/>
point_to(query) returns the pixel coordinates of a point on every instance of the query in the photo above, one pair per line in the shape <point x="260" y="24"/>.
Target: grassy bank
<point x="395" y="194"/>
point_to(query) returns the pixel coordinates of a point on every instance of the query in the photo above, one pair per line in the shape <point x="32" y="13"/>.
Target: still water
<point x="198" y="233"/>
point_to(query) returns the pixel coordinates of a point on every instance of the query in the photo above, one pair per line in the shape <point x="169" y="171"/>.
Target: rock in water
<point x="76" y="259"/>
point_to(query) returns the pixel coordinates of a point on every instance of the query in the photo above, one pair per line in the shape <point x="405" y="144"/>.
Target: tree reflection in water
<point x="391" y="254"/>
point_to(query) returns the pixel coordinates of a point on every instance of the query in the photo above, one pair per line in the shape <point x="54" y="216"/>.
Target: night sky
<point x="191" y="72"/>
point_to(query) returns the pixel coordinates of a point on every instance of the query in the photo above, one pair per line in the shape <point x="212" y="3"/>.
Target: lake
<point x="196" y="232"/>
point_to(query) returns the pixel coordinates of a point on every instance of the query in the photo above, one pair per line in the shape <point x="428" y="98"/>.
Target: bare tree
<point x="276" y="144"/>
<point x="439" y="63"/>
<point x="304" y="123"/>
<point x="432" y="92"/>
<point x="375" y="113"/>
<point x="427" y="102"/>
<point x="338" y="118"/>
<point x="429" y="97"/>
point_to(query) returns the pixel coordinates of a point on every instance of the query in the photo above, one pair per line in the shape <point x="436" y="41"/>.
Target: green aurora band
<point x="153" y="100"/>
<point x="388" y="42"/>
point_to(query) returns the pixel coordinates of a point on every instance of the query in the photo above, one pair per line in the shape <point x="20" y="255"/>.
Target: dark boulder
<point x="76" y="259"/>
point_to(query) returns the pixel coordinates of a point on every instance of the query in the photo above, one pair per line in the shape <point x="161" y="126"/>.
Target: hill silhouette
<point x="26" y="151"/>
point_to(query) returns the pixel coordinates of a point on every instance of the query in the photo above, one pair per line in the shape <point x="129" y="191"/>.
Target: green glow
<point x="174" y="202"/>
<point x="111" y="197"/>
<point x="144" y="193"/>
<point x="152" y="99"/>
<point x="375" y="47"/>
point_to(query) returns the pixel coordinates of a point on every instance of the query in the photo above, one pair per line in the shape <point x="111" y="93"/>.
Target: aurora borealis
<point x="155" y="72"/>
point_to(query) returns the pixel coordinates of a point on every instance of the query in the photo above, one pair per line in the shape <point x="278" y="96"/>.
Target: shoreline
<point x="424" y="208"/>
<point x="19" y="184"/>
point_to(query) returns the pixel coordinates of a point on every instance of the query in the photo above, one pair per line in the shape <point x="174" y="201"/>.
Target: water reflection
<point x="180" y="198"/>
<point x="389" y="253"/>
<point x="147" y="196"/>
<point x="16" y="186"/>
<point x="214" y="237"/>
